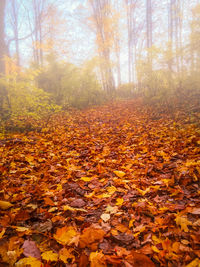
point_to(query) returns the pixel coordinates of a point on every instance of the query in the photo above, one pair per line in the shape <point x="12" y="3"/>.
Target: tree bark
<point x="2" y="36"/>
<point x="149" y="29"/>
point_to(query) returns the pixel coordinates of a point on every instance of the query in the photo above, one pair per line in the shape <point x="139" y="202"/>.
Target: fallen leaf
<point x="111" y="210"/>
<point x="182" y="222"/>
<point x="97" y="259"/>
<point x="119" y="201"/>
<point x="86" y="179"/>
<point x="105" y="217"/>
<point x="4" y="205"/>
<point x="91" y="235"/>
<point x="48" y="201"/>
<point x="119" y="173"/>
<point x="139" y="259"/>
<point x="31" y="250"/>
<point x="65" y="234"/>
<point x="194" y="263"/>
<point x="78" y="203"/>
<point x="2" y="232"/>
<point x="49" y="256"/>
<point x="30" y="261"/>
<point x="66" y="254"/>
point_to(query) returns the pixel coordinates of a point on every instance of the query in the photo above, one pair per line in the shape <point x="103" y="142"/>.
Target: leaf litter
<point x="108" y="186"/>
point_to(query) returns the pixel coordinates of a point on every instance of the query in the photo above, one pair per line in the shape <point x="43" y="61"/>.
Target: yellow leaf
<point x="66" y="207"/>
<point x="119" y="173"/>
<point x="22" y="229"/>
<point x="182" y="222"/>
<point x="86" y="179"/>
<point x="104" y="195"/>
<point x="49" y="256"/>
<point x="154" y="248"/>
<point x="59" y="187"/>
<point x="111" y="190"/>
<point x="65" y="234"/>
<point x="175" y="247"/>
<point x="194" y="263"/>
<point x="111" y="209"/>
<point x="131" y="223"/>
<point x="2" y="233"/>
<point x="119" y="201"/>
<point x="65" y="254"/>
<point x="90" y="195"/>
<point x="105" y="217"/>
<point x="155" y="239"/>
<point x="97" y="259"/>
<point x="32" y="206"/>
<point x="30" y="261"/>
<point x="114" y="232"/>
<point x="143" y="192"/>
<point x="4" y="205"/>
<point x="52" y="209"/>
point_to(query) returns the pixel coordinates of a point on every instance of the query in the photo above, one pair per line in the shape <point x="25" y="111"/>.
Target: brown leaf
<point x="139" y="260"/>
<point x="124" y="239"/>
<point x="31" y="250"/>
<point x="78" y="203"/>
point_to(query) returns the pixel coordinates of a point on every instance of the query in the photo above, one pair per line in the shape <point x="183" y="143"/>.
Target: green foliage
<point x="125" y="90"/>
<point x="69" y="85"/>
<point x="22" y="102"/>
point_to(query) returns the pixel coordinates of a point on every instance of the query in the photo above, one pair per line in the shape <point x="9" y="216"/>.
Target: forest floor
<point x="116" y="185"/>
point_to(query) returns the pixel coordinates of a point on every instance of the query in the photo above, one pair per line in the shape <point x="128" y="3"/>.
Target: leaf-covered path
<point x="110" y="186"/>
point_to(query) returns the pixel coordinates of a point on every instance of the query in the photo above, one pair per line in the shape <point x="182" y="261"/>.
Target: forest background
<point x="57" y="55"/>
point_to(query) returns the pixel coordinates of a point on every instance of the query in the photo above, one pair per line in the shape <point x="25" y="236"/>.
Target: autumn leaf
<point x="86" y="179"/>
<point x="4" y="205"/>
<point x="31" y="250"/>
<point x="120" y="174"/>
<point x="65" y="197"/>
<point x="194" y="263"/>
<point x="97" y="259"/>
<point x="65" y="235"/>
<point x="182" y="222"/>
<point x="91" y="235"/>
<point x="2" y="232"/>
<point x="30" y="261"/>
<point x="111" y="209"/>
<point x="49" y="256"/>
<point x="105" y="217"/>
<point x="48" y="201"/>
<point x="66" y="254"/>
<point x="139" y="259"/>
<point x="22" y="229"/>
<point x="119" y="201"/>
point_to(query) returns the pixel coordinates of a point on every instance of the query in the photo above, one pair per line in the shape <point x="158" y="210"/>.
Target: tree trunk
<point x="2" y="36"/>
<point x="149" y="29"/>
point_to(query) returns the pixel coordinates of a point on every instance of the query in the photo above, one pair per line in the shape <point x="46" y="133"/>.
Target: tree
<point x="102" y="21"/>
<point x="133" y="29"/>
<point x="14" y="12"/>
<point x="149" y="29"/>
<point x="2" y="35"/>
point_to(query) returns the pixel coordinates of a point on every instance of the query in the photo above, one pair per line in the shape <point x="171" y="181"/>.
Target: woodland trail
<point x="109" y="186"/>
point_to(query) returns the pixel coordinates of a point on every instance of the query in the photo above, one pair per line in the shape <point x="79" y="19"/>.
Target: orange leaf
<point x="91" y="235"/>
<point x="97" y="259"/>
<point x="48" y="201"/>
<point x="65" y="235"/>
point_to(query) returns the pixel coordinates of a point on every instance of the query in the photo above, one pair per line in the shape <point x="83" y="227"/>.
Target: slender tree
<point x="14" y="12"/>
<point x="133" y="31"/>
<point x="149" y="29"/>
<point x="2" y="35"/>
<point x="101" y="15"/>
